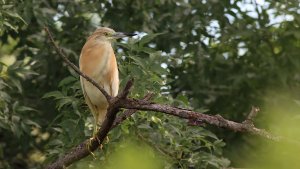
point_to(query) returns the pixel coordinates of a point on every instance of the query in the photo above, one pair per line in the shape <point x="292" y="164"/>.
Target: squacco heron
<point x="98" y="61"/>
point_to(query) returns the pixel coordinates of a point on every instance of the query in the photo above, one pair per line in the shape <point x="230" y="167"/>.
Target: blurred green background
<point x="213" y="56"/>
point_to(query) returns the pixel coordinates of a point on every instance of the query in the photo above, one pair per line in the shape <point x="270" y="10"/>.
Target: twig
<point x="251" y="116"/>
<point x="130" y="112"/>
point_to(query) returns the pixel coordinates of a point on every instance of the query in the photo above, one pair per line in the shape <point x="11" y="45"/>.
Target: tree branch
<point x="215" y="120"/>
<point x="130" y="112"/>
<point x="122" y="101"/>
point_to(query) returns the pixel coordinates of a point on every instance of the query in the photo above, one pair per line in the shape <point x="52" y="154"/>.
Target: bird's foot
<point x="99" y="142"/>
<point x="95" y="137"/>
<point x="88" y="146"/>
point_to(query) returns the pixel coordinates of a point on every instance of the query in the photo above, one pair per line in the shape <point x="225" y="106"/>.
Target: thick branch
<point x="130" y="112"/>
<point x="216" y="120"/>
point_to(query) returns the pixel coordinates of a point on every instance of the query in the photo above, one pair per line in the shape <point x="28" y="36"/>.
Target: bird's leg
<point x="95" y="129"/>
<point x="94" y="136"/>
<point x="100" y="144"/>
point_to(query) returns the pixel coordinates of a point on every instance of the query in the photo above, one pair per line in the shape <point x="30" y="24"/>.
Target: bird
<point x="98" y="61"/>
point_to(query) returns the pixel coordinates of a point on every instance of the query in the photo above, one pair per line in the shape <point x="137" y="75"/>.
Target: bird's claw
<point x="98" y="140"/>
<point x="88" y="145"/>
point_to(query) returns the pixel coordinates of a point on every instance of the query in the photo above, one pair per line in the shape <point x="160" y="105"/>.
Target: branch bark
<point x="133" y="105"/>
<point x="215" y="120"/>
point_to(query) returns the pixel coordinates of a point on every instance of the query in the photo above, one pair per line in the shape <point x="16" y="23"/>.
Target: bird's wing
<point x="86" y="97"/>
<point x="114" y="76"/>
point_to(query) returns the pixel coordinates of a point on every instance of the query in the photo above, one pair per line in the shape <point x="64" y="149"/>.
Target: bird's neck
<point x="99" y="43"/>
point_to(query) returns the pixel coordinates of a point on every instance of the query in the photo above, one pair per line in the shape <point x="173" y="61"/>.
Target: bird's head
<point x="108" y="34"/>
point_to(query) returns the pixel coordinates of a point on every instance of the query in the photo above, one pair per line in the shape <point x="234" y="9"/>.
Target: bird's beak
<point x="122" y="35"/>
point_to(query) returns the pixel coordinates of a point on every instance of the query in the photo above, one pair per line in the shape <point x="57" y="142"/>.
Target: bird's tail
<point x="100" y="115"/>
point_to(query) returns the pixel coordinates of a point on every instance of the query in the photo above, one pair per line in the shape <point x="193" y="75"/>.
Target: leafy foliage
<point x="16" y="116"/>
<point x="9" y="17"/>
<point x="215" y="56"/>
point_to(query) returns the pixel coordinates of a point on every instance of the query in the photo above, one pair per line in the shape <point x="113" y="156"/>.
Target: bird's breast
<point x="97" y="60"/>
<point x="94" y="59"/>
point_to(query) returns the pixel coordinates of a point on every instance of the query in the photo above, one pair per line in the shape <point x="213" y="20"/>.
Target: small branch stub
<point x="251" y="116"/>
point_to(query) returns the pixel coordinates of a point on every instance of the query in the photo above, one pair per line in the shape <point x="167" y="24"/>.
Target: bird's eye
<point x="106" y="34"/>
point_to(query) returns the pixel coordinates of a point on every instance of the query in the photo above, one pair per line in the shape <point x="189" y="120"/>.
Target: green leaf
<point x="10" y="26"/>
<point x="16" y="131"/>
<point x="125" y="128"/>
<point x="4" y="96"/>
<point x="144" y="126"/>
<point x="155" y="119"/>
<point x="30" y="122"/>
<point x="15" y="15"/>
<point x="25" y="108"/>
<point x="138" y="61"/>
<point x="64" y="101"/>
<point x="67" y="81"/>
<point x="55" y="94"/>
<point x="17" y="84"/>
<point x="148" y="38"/>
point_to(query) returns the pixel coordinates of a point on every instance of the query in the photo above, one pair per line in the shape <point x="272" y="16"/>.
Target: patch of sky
<point x="242" y="49"/>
